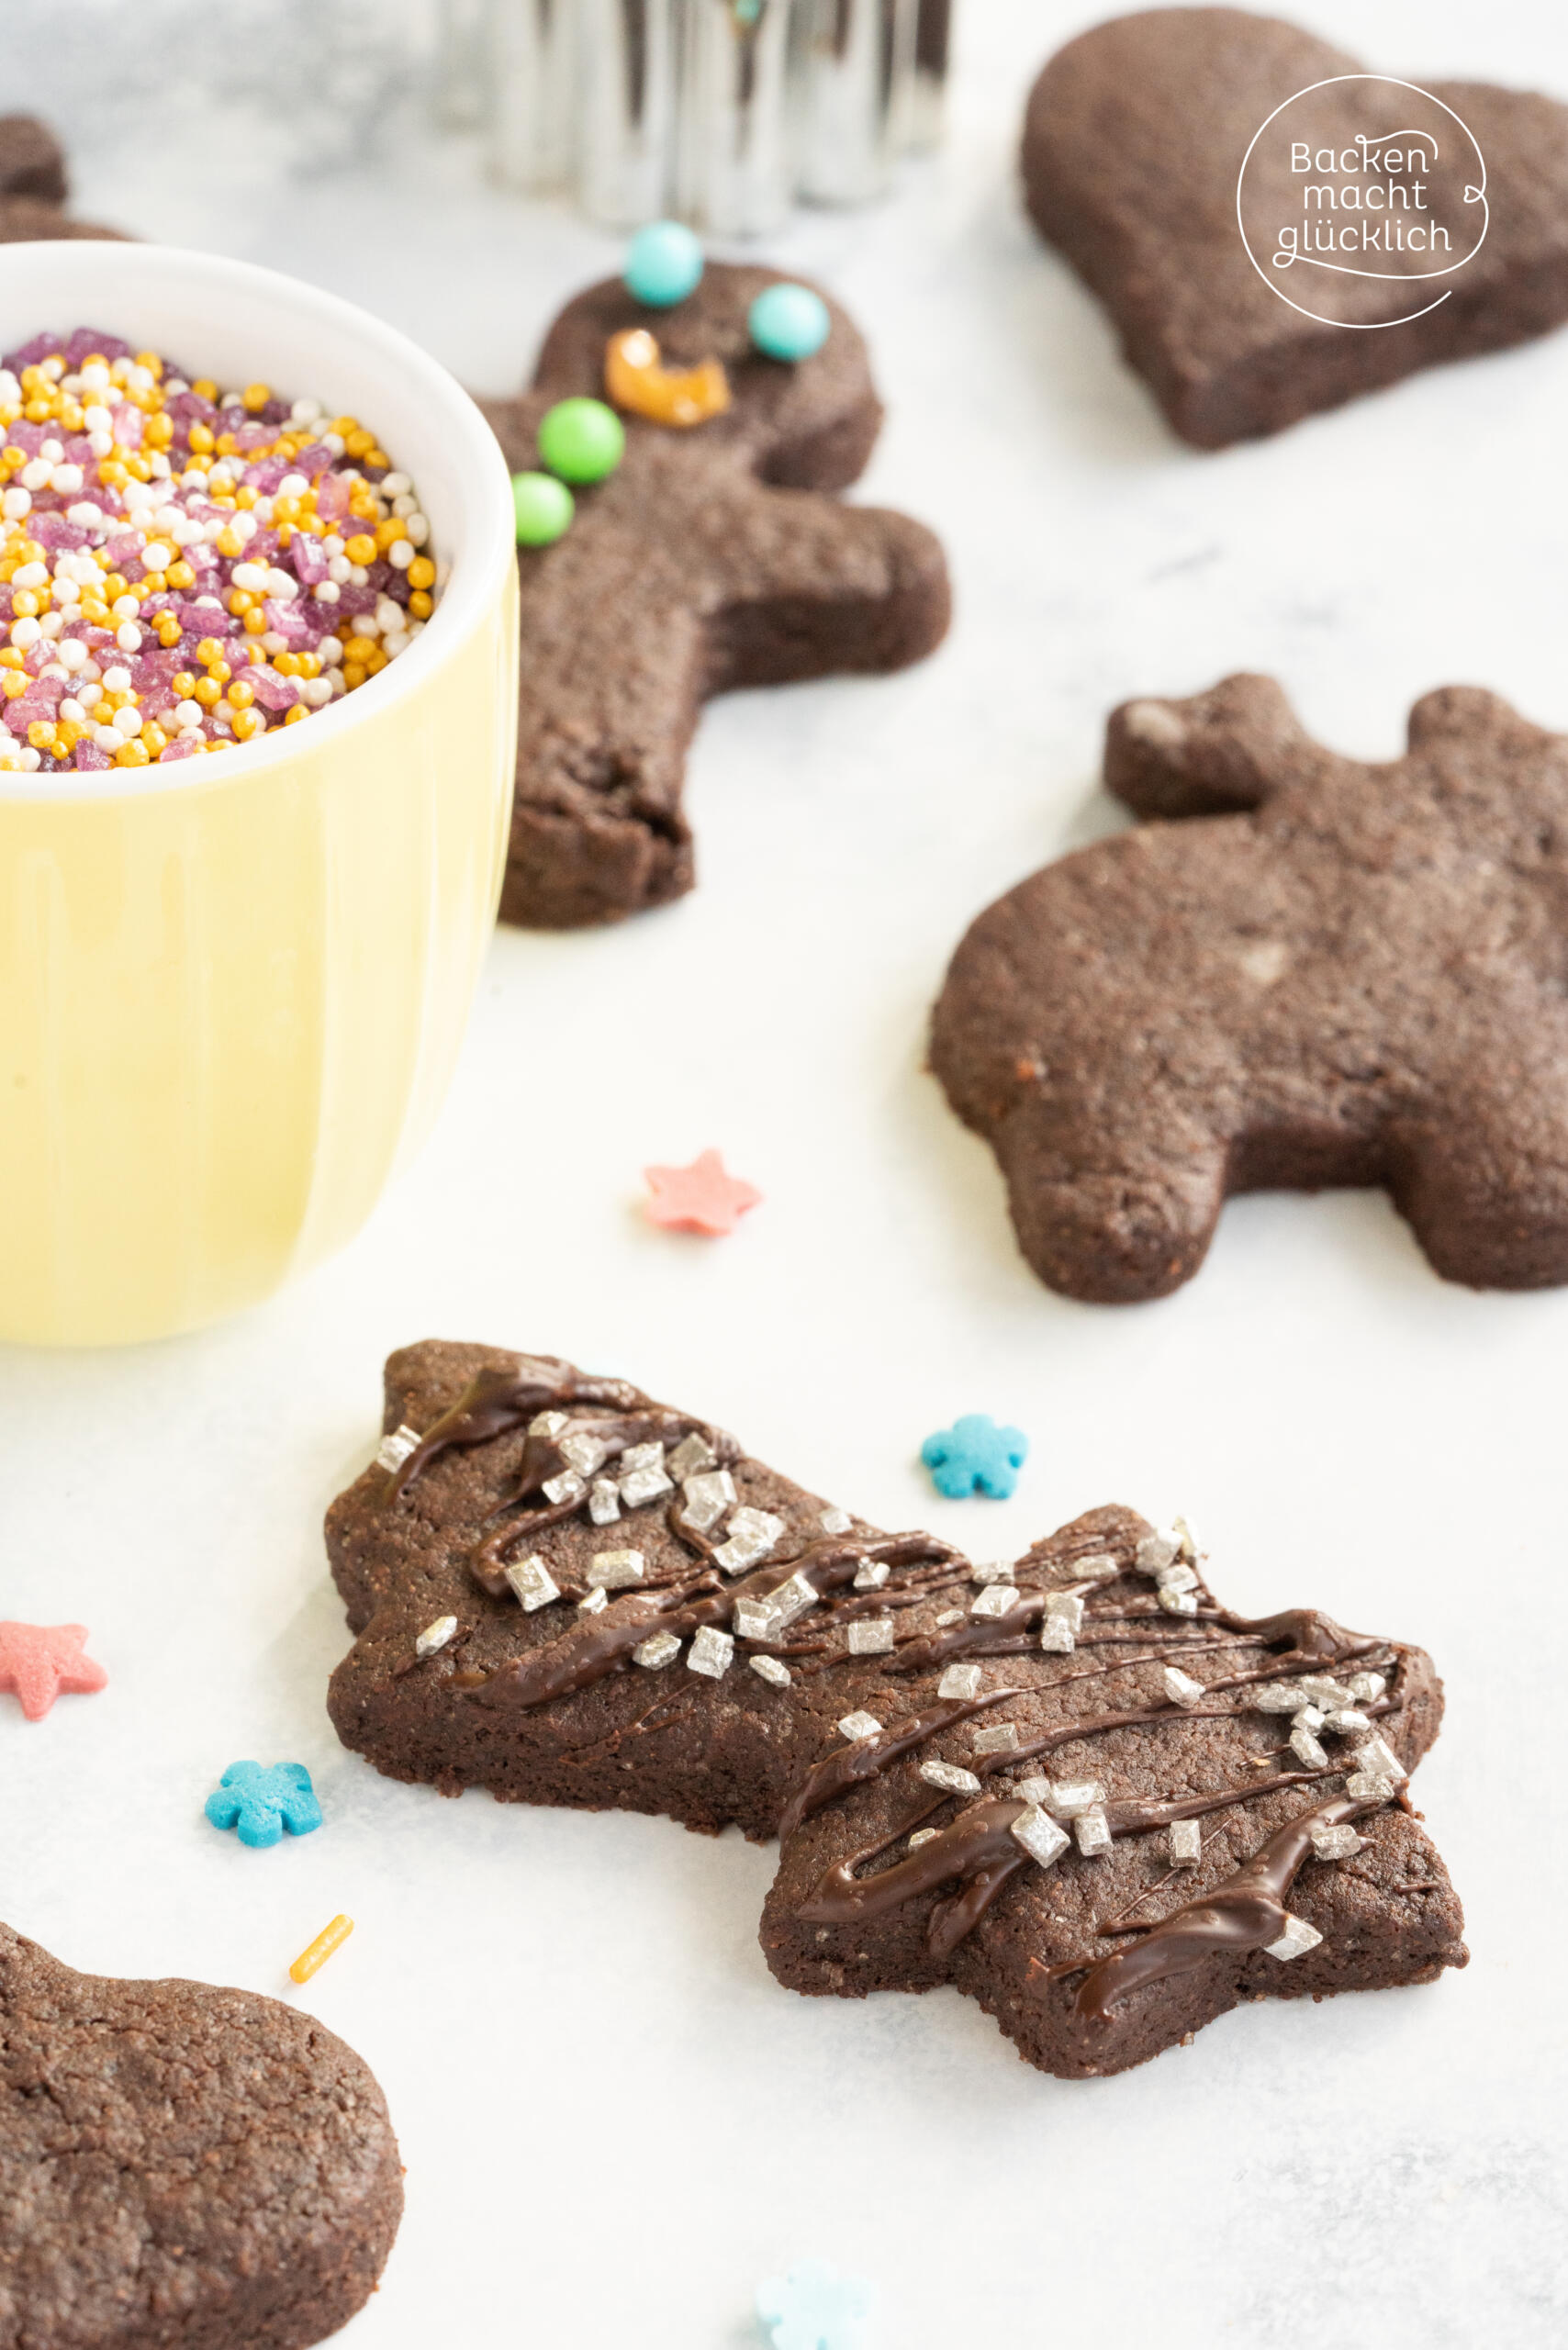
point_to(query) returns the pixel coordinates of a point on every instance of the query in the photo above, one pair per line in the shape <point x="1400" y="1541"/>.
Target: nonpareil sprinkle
<point x="184" y="568"/>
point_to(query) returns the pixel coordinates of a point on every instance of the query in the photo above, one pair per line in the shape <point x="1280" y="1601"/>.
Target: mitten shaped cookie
<point x="182" y="2165"/>
<point x="568" y="1593"/>
<point x="715" y="556"/>
<point x="1134" y="144"/>
<point x="34" y="187"/>
<point x="1340" y="973"/>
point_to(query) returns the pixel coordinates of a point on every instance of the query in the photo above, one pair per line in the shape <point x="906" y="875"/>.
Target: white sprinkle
<point x="922" y="1836"/>
<point x="14" y="503"/>
<point x="1297" y="1938"/>
<point x="604" y="1501"/>
<point x="1158" y="1552"/>
<point x="1099" y="1564"/>
<point x="754" y="1620"/>
<point x="35" y="475"/>
<point x="1066" y="1607"/>
<point x="584" y="1452"/>
<point x="532" y="1582"/>
<point x="1309" y="1719"/>
<point x="593" y="1603"/>
<point x="548" y="1424"/>
<point x="116" y="680"/>
<point x="771" y="1670"/>
<point x="1039" y="1835"/>
<point x="1305" y="1748"/>
<point x="657" y="1650"/>
<point x="1367" y="1786"/>
<point x="711" y="1651"/>
<point x="996" y="1599"/>
<point x="1185" y="1843"/>
<point x="1071" y="1798"/>
<point x="949" y="1778"/>
<point x="1056" y="1636"/>
<point x="1376" y="1755"/>
<point x="394" y="1449"/>
<point x="1177" y="1579"/>
<point x="127" y="636"/>
<point x="435" y="1636"/>
<point x="999" y="1571"/>
<point x="567" y="1487"/>
<point x="25" y="634"/>
<point x="1178" y="1602"/>
<point x="616" y="1569"/>
<point x="1336" y="1843"/>
<point x="1366" y="1688"/>
<point x="706" y="1498"/>
<point x="950" y="1616"/>
<point x="1001" y="1738"/>
<point x="401" y="553"/>
<point x="643" y="1485"/>
<point x="752" y="1534"/>
<point x="1318" y="1690"/>
<point x="872" y="1636"/>
<point x="691" y="1455"/>
<point x="1181" y="1687"/>
<point x="1346" y="1721"/>
<point x="835" y="1521"/>
<point x="1276" y="1697"/>
<point x="790" y="1599"/>
<point x="252" y="575"/>
<point x="871" y="1575"/>
<point x="964" y="1681"/>
<point x="860" y="1725"/>
<point x="1093" y="1830"/>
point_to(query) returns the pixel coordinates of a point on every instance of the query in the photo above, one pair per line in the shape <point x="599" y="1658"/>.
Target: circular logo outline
<point x="1368" y="326"/>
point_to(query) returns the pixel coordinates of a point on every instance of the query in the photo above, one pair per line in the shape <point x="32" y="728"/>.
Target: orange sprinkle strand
<point x="330" y="1939"/>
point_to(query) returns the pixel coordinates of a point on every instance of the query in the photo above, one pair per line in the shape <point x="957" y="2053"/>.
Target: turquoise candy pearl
<point x="664" y="264"/>
<point x="544" y="509"/>
<point x="789" y="322"/>
<point x="581" y="439"/>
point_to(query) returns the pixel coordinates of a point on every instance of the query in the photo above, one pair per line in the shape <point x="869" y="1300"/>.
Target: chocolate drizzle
<point x="866" y="1758"/>
<point x="501" y="1397"/>
<point x="1245" y="1914"/>
<point x="974" y="1848"/>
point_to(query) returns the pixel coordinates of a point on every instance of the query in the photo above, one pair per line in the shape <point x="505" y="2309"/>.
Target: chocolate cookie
<point x="181" y="2164"/>
<point x="568" y="1593"/>
<point x="34" y="187"/>
<point x="1342" y="974"/>
<point x="1134" y="140"/>
<point x="714" y="556"/>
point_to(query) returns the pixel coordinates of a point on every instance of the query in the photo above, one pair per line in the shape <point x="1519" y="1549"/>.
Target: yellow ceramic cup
<point x="232" y="990"/>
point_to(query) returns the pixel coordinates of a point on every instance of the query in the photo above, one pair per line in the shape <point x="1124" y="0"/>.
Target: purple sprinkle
<point x="273" y="692"/>
<point x="175" y="750"/>
<point x="87" y="754"/>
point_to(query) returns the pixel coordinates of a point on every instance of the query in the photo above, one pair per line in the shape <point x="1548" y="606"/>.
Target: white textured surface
<point x="570" y="2014"/>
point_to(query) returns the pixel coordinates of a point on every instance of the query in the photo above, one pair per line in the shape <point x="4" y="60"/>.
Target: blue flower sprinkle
<point x="814" y="2308"/>
<point x="975" y="1456"/>
<point x="262" y="1799"/>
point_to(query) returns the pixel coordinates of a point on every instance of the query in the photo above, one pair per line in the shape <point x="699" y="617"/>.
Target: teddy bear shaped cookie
<point x="715" y="553"/>
<point x="35" y="185"/>
<point x="1078" y="1787"/>
<point x="1328" y="971"/>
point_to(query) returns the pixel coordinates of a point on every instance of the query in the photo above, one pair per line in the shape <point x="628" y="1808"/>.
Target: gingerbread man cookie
<point x="180" y="2164"/>
<point x="1341" y="973"/>
<point x="1078" y="1787"/>
<point x="715" y="556"/>
<point x="34" y="187"/>
<point x="1134" y="144"/>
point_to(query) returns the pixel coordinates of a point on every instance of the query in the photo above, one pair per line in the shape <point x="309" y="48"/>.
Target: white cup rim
<point x="478" y="569"/>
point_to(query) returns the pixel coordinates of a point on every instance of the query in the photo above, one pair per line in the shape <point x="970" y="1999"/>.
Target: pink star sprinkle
<point x="38" y="1660"/>
<point x="699" y="1197"/>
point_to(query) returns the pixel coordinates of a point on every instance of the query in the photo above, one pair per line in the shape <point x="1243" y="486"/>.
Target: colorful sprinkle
<point x="699" y="1197"/>
<point x="664" y="264"/>
<point x="544" y="508"/>
<point x="814" y="2308"/>
<point x="637" y="380"/>
<point x="262" y="1800"/>
<point x="183" y="570"/>
<point x="581" y="439"/>
<point x="975" y="1456"/>
<point x="312" y="1959"/>
<point x="789" y="322"/>
<point x="39" y="1662"/>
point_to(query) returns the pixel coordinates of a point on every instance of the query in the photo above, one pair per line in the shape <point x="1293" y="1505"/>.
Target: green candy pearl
<point x="581" y="439"/>
<point x="544" y="509"/>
